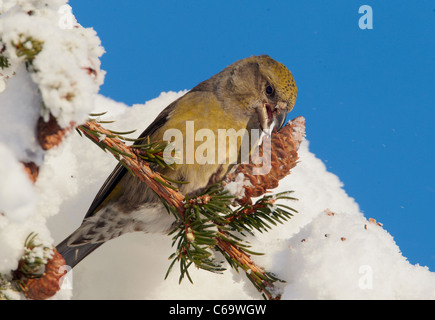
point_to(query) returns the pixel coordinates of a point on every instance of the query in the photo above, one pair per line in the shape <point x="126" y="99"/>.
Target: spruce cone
<point x="284" y="157"/>
<point x="49" y="133"/>
<point x="46" y="286"/>
<point x="32" y="170"/>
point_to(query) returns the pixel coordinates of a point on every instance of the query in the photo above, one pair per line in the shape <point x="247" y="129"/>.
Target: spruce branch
<point x="4" y="62"/>
<point x="28" y="47"/>
<point x="238" y="258"/>
<point x="35" y="257"/>
<point x="260" y="216"/>
<point x="209" y="222"/>
<point x="6" y="288"/>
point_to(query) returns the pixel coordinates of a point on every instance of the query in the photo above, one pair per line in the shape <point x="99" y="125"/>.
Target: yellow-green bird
<point x="253" y="93"/>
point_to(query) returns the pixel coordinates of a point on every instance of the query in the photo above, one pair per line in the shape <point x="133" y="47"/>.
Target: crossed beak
<point x="268" y="115"/>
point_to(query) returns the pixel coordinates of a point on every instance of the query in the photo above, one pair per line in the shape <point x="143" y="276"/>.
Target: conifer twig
<point x="128" y="156"/>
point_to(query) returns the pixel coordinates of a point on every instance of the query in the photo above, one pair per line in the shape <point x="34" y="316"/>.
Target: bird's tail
<point x="74" y="254"/>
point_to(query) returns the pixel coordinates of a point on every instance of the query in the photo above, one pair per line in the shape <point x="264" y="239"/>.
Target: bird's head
<point x="258" y="88"/>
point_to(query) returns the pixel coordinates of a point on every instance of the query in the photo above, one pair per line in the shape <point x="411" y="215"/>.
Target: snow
<point x="236" y="187"/>
<point x="343" y="256"/>
<point x="20" y="125"/>
<point x="63" y="80"/>
<point x="328" y="250"/>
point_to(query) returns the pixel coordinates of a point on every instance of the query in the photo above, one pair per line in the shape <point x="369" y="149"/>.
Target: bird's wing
<point x="119" y="171"/>
<point x="106" y="188"/>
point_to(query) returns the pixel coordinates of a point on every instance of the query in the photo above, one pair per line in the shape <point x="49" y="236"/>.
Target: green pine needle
<point x="209" y="216"/>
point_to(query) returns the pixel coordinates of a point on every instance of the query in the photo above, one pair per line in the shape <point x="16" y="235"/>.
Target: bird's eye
<point x="269" y="90"/>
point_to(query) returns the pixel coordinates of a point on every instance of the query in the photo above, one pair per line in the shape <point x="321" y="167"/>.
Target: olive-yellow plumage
<point x="250" y="94"/>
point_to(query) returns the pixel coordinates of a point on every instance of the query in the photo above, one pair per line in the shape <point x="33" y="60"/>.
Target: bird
<point x="254" y="93"/>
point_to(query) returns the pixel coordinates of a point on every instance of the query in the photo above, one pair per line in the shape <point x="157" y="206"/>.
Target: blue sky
<point x="368" y="95"/>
